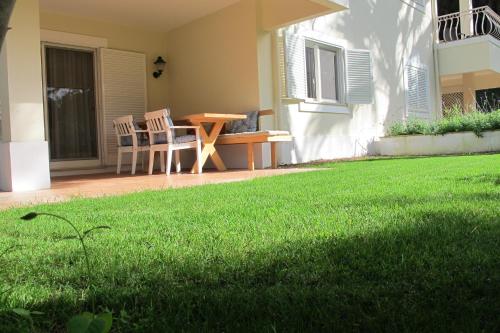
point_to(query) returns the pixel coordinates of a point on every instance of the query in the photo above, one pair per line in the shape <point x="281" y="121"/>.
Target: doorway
<point x="71" y="113"/>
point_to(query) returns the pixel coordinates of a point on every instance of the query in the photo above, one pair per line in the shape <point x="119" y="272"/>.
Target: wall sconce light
<point x="160" y="67"/>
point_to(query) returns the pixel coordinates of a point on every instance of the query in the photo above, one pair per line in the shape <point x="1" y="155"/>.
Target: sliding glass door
<point x="71" y="107"/>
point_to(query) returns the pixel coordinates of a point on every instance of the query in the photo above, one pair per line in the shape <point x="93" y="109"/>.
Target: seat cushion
<point x="171" y="124"/>
<point x="245" y="125"/>
<point x="142" y="138"/>
<point x="161" y="138"/>
<point x="185" y="139"/>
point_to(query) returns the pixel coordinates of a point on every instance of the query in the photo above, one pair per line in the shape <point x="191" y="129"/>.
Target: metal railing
<point x="473" y="23"/>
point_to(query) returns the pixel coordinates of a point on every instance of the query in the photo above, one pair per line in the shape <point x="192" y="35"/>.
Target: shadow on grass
<point x="438" y="273"/>
<point x="486" y="178"/>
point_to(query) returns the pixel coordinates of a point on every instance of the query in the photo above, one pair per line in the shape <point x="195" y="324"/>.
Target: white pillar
<point x="469" y="89"/>
<point x="466" y="25"/>
<point x="24" y="157"/>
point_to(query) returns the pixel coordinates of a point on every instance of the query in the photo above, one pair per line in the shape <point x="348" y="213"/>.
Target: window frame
<point x="340" y="79"/>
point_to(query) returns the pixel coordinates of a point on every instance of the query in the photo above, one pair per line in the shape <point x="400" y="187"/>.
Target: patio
<point x="92" y="186"/>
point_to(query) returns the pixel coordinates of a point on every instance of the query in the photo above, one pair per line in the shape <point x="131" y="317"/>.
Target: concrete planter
<point x="453" y="143"/>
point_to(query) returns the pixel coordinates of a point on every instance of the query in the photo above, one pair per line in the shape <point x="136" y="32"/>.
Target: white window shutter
<point x="123" y="84"/>
<point x="359" y="77"/>
<point x="295" y="66"/>
<point x="417" y="92"/>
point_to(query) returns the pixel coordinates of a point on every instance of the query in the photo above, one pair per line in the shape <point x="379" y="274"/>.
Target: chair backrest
<point x="124" y="127"/>
<point x="158" y="126"/>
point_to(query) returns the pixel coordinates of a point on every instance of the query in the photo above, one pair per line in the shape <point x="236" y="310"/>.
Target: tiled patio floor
<point x="65" y="188"/>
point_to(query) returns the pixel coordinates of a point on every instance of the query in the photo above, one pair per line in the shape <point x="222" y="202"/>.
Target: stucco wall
<point x="214" y="62"/>
<point x="152" y="43"/>
<point x="480" y="80"/>
<point x="396" y="34"/>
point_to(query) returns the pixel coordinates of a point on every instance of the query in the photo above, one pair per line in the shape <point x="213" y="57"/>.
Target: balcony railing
<point x="473" y="23"/>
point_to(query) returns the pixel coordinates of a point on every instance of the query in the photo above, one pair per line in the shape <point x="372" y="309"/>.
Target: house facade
<point x="384" y="71"/>
<point x="468" y="47"/>
<point x="337" y="73"/>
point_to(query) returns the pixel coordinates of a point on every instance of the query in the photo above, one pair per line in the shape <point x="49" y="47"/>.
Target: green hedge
<point x="476" y="122"/>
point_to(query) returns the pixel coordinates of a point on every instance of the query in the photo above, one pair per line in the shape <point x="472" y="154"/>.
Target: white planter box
<point x="454" y="143"/>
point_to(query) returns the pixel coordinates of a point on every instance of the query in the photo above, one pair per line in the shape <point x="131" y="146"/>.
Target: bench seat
<point x="254" y="137"/>
<point x="250" y="138"/>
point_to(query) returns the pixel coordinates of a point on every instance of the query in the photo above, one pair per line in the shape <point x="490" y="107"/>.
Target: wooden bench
<point x="251" y="138"/>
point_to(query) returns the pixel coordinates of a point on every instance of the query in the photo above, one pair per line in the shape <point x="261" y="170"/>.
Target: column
<point x="469" y="92"/>
<point x="466" y="19"/>
<point x="24" y="156"/>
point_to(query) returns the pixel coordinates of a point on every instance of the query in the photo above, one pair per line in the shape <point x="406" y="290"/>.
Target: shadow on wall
<point x="390" y="38"/>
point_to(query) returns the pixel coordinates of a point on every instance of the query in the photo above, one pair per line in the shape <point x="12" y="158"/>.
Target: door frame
<point x="84" y="163"/>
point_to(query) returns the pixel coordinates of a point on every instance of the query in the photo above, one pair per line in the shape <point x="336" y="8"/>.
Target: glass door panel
<point x="71" y="104"/>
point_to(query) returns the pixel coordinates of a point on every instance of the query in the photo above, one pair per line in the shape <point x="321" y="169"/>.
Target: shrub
<point x="453" y="122"/>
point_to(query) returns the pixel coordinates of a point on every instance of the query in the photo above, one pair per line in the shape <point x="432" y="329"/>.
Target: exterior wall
<point x="153" y="44"/>
<point x="396" y="34"/>
<point x="274" y="13"/>
<point x="480" y="80"/>
<point x="24" y="161"/>
<point x="213" y="62"/>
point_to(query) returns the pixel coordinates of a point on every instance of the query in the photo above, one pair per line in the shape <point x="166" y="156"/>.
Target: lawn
<point x="380" y="245"/>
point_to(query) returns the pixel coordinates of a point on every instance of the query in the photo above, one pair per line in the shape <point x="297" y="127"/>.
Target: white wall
<point x="396" y="34"/>
<point x="453" y="143"/>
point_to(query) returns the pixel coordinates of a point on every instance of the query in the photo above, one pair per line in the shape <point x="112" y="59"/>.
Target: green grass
<point x="384" y="245"/>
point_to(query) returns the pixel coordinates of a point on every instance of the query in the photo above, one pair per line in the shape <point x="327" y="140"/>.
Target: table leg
<point x="208" y="149"/>
<point x="250" y="157"/>
<point x="274" y="155"/>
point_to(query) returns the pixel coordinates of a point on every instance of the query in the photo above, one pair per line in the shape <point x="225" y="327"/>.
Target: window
<point x="488" y="100"/>
<point x="417" y="91"/>
<point x="323" y="76"/>
<point x="323" y="73"/>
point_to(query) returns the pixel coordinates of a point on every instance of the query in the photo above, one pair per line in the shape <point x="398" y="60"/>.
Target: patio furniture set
<point x="158" y="134"/>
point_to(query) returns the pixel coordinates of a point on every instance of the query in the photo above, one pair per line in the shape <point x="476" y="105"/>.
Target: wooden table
<point x="217" y="121"/>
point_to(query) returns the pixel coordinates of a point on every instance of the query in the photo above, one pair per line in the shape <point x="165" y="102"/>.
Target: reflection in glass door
<point x="71" y="112"/>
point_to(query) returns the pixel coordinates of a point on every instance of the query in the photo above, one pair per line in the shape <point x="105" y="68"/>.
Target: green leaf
<point x="108" y="320"/>
<point x="29" y="216"/>
<point x="89" y="323"/>
<point x="79" y="324"/>
<point x="97" y="325"/>
<point x="22" y="312"/>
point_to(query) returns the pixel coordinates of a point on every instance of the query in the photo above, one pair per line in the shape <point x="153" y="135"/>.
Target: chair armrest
<point x="141" y="131"/>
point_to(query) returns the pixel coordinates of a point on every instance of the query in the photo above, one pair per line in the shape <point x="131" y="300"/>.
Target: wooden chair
<point x="128" y="140"/>
<point x="162" y="138"/>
